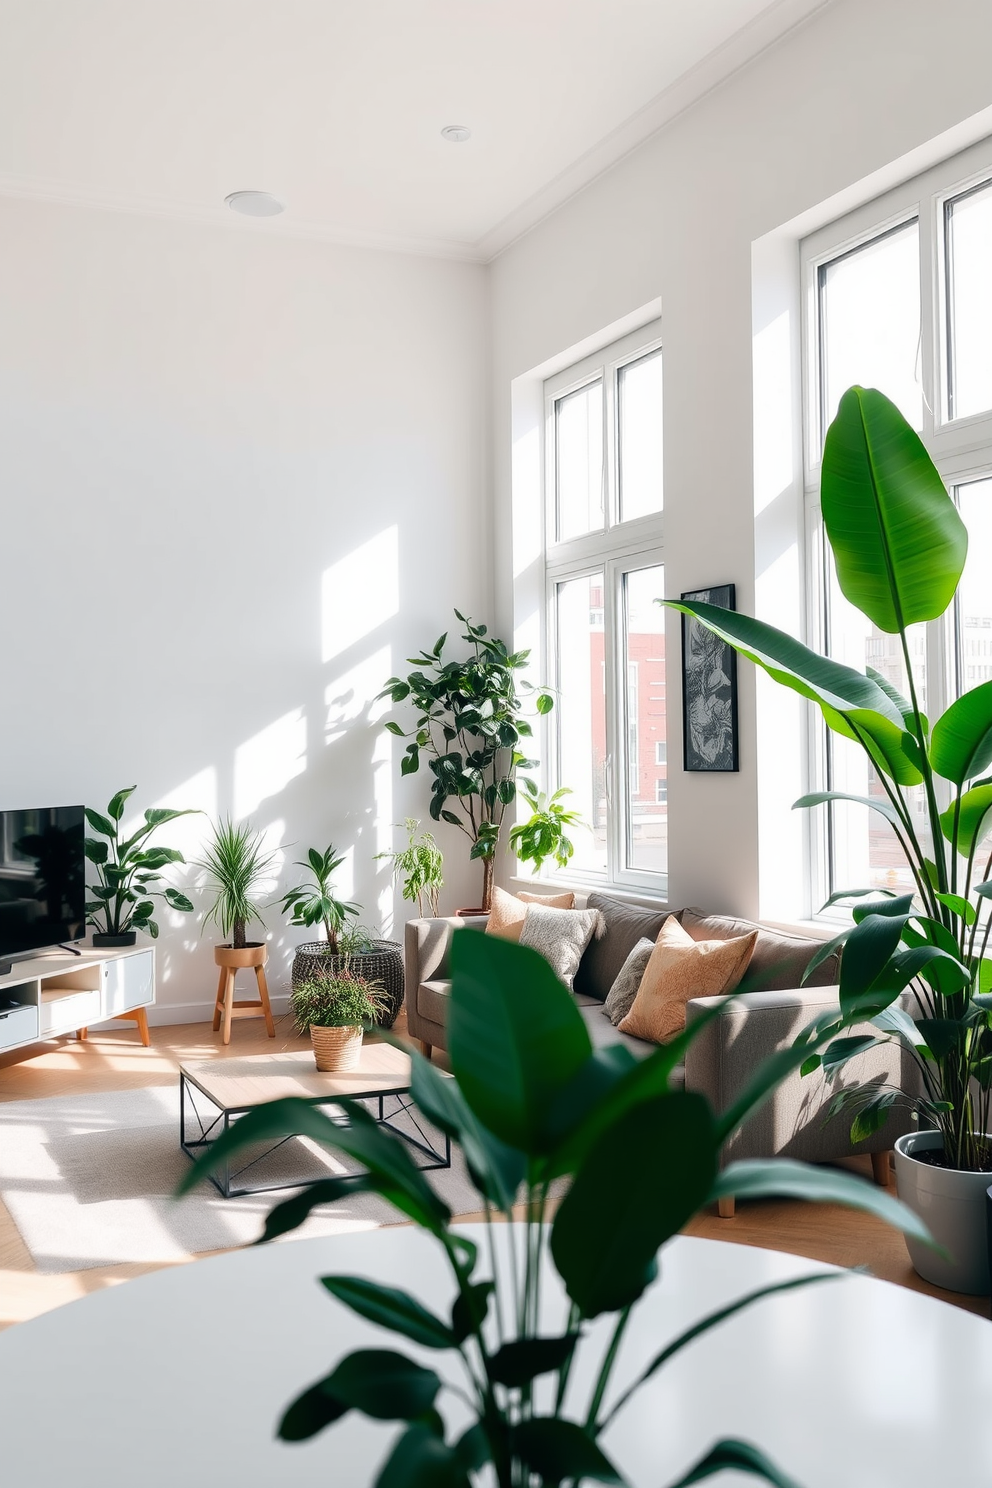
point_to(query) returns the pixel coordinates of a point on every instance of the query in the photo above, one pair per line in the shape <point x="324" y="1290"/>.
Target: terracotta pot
<point x="465" y="914"/>
<point x="336" y="1048"/>
<point x="951" y="1203"/>
<point x="256" y="953"/>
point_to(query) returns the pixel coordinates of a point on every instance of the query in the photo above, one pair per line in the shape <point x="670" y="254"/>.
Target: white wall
<point x="242" y="481"/>
<point x="859" y="86"/>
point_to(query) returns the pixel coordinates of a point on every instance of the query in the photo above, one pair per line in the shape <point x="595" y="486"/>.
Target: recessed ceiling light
<point x="456" y="133"/>
<point x="255" y="203"/>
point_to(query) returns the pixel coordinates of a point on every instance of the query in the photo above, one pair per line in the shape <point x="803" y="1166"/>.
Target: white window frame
<point x="961" y="448"/>
<point x="614" y="549"/>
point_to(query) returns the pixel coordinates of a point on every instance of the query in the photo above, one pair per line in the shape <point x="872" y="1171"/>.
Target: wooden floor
<point x="115" y="1060"/>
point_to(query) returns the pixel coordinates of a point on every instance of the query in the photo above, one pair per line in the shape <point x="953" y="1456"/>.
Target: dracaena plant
<point x="531" y="1103"/>
<point x="314" y="903"/>
<point x="469" y="724"/>
<point x="129" y="877"/>
<point x="899" y="547"/>
<point x="236" y="865"/>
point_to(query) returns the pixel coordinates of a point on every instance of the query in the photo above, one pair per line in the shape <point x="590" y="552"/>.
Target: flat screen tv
<point x="42" y="880"/>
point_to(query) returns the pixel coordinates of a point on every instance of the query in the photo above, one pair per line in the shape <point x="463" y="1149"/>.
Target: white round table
<point x="179" y="1377"/>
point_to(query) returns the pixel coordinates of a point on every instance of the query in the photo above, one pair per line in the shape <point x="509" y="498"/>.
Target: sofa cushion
<point x="602" y="1033"/>
<point x="508" y="911"/>
<point x="620" y="998"/>
<point x="680" y="968"/>
<point x="626" y="924"/>
<point x="432" y="1000"/>
<point x="560" y="936"/>
<point x="777" y="962"/>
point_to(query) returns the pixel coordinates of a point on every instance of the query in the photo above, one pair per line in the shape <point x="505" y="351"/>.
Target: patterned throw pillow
<point x="508" y="911"/>
<point x="560" y="936"/>
<point x="620" y="998"/>
<point x="679" y="968"/>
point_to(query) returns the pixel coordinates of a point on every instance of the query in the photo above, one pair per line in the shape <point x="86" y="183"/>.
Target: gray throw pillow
<point x="560" y="936"/>
<point x="620" y="998"/>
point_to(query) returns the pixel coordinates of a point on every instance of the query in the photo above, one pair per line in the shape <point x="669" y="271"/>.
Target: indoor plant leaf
<point x="736" y="1456"/>
<point x="422" y="1459"/>
<point x="972" y="812"/>
<point x="898" y="541"/>
<point x="391" y="1308"/>
<point x="781" y="1178"/>
<point x="961" y="743"/>
<point x="558" y="1450"/>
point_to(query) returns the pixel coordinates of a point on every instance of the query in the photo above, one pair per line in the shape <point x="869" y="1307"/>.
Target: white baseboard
<point x="198" y="1012"/>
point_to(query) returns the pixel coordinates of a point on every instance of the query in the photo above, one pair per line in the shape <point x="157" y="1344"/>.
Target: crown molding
<point x="759" y="35"/>
<point x="56" y="193"/>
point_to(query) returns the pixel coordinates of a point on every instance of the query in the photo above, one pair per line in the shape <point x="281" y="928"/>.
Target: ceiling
<point x="336" y="106"/>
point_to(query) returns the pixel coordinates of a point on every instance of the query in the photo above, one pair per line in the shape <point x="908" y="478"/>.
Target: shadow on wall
<point x="323" y="770"/>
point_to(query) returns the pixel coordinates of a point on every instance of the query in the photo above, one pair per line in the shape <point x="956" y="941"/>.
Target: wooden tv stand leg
<point x="81" y="1034"/>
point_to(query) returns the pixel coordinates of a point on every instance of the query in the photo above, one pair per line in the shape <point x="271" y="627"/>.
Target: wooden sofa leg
<point x="725" y="1208"/>
<point x="881" y="1163"/>
<point x="426" y="1048"/>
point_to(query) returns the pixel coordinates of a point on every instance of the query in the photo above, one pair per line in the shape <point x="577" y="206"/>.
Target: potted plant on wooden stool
<point x="334" y="1010"/>
<point x="236" y="865"/>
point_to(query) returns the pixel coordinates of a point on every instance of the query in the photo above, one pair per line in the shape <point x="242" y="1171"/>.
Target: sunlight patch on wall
<point x="266" y="763"/>
<point x="188" y="833"/>
<point x="527" y="513"/>
<point x="359" y="593"/>
<point x="353" y="694"/>
<point x="773" y="413"/>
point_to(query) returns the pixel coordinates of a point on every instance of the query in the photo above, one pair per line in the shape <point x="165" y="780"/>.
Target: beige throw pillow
<point x="508" y="912"/>
<point x="680" y="968"/>
<point x="560" y="936"/>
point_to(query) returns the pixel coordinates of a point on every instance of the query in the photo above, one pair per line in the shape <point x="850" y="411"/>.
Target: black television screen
<point x="42" y="879"/>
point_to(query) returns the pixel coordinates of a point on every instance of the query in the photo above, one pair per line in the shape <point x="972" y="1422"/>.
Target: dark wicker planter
<point x="384" y="963"/>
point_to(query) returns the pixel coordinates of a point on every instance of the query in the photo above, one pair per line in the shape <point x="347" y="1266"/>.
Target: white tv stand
<point x="60" y="993"/>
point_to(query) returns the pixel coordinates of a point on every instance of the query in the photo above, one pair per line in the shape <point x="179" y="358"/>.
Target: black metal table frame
<point x="222" y="1122"/>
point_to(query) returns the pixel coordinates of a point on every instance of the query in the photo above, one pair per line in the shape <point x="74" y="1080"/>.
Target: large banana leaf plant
<point x="899" y="546"/>
<point x="532" y="1103"/>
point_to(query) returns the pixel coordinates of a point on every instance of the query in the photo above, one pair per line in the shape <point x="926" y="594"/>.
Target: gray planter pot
<point x="951" y="1204"/>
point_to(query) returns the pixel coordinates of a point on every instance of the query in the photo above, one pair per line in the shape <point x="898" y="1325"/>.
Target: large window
<point x="899" y="297"/>
<point x="606" y="630"/>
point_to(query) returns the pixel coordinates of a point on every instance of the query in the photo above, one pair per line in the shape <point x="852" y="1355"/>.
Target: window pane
<point x="969" y="303"/>
<point x="639" y="396"/>
<point x="647" y="774"/>
<point x="864" y="851"/>
<point x="581" y="713"/>
<point x="870" y="323"/>
<point x="974" y="601"/>
<point x="579" y="460"/>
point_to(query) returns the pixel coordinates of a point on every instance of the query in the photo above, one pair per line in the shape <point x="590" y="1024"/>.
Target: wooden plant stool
<point x="231" y="960"/>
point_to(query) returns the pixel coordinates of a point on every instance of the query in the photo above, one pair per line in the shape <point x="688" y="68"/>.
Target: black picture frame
<point x="709" y="689"/>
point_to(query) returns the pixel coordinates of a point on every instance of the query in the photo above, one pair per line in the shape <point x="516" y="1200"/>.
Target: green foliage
<point x="469" y="726"/>
<point x="235" y="865"/>
<point x="128" y="870"/>
<point x="340" y="1001"/>
<point x="531" y="1100"/>
<point x="314" y="903"/>
<point x="421" y="865"/>
<point x="543" y="835"/>
<point x="899" y="546"/>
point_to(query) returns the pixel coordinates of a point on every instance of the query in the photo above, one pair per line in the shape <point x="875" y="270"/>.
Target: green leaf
<point x="179" y="901"/>
<point x="378" y="1382"/>
<point x="781" y="1178"/>
<point x="422" y="1459"/>
<point x="515" y="1037"/>
<point x="469" y="1309"/>
<point x="394" y="728"/>
<point x="544" y="702"/>
<point x="156" y="816"/>
<point x="958" y="906"/>
<point x="961" y="745"/>
<point x="390" y="1308"/>
<point x="101" y="824"/>
<point x="522" y="1359"/>
<point x="867" y="952"/>
<point x="826" y="682"/>
<point x="97" y="852"/>
<point x="496" y="1169"/>
<point x="975" y="806"/>
<point x="639" y="1183"/>
<point x="557" y="1450"/>
<point x="874" y="803"/>
<point x="116" y="806"/>
<point x="893" y="750"/>
<point x="898" y="541"/>
<point x="736" y="1456"/>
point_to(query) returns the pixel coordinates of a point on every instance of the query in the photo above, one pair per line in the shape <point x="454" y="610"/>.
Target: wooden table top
<point x="234" y="1084"/>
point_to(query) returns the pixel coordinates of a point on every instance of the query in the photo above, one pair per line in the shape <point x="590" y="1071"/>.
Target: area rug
<point x="88" y="1180"/>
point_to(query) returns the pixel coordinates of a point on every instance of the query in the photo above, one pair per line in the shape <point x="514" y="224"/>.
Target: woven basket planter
<point x="383" y="964"/>
<point x="336" y="1048"/>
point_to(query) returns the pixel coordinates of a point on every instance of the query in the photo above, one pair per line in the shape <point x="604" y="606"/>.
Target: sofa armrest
<point x="794" y="1120"/>
<point x="427" y="945"/>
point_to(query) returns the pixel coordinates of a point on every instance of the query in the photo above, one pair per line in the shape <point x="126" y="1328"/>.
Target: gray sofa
<point x="767" y="1012"/>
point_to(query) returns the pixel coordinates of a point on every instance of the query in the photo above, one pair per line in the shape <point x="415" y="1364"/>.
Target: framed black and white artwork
<point x="709" y="689"/>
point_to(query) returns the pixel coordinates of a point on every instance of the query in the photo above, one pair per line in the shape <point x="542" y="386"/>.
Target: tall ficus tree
<point x="469" y="724"/>
<point x="899" y="546"/>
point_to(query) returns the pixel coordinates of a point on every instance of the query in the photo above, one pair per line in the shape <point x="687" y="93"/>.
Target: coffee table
<point x="213" y="1095"/>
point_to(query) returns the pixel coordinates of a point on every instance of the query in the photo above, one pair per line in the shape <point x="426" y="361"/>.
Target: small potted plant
<point x="334" y="1010"/>
<point x="421" y="865"/>
<point x="236" y="866"/>
<point x="128" y="876"/>
<point x="543" y="834"/>
<point x="344" y="948"/>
